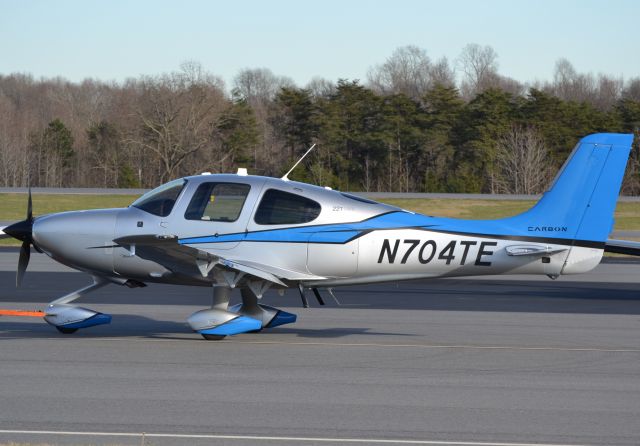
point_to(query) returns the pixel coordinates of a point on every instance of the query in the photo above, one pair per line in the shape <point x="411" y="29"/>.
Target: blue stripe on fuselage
<point x="344" y="232"/>
<point x="329" y="233"/>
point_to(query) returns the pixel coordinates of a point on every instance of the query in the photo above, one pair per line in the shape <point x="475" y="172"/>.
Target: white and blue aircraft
<point x="257" y="233"/>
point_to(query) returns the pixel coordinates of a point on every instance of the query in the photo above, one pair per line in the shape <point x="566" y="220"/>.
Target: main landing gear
<point x="249" y="316"/>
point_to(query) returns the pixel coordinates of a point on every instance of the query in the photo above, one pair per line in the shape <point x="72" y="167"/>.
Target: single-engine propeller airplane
<point x="256" y="233"/>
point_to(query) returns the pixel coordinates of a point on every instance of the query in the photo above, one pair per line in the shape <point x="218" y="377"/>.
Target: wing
<point x="622" y="247"/>
<point x="183" y="259"/>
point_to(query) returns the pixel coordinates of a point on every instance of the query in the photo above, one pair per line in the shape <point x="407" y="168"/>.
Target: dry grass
<point x="469" y="209"/>
<point x="628" y="217"/>
<point x="627" y="214"/>
<point x="13" y="207"/>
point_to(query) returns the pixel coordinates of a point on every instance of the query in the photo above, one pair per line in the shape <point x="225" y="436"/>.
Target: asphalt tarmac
<point x="491" y="361"/>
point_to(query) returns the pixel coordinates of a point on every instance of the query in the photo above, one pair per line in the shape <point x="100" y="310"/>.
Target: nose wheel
<point x="64" y="330"/>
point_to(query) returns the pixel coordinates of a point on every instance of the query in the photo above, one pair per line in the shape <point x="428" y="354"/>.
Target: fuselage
<point x="322" y="236"/>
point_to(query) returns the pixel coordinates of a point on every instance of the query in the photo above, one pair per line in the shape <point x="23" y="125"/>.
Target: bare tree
<point x="479" y="65"/>
<point x="569" y="85"/>
<point x="320" y="87"/>
<point x="522" y="162"/>
<point x="632" y="89"/>
<point x="406" y="71"/>
<point x="176" y="113"/>
<point x="608" y="92"/>
<point x="442" y="74"/>
<point x="11" y="164"/>
<point x="564" y="77"/>
<point x="510" y="85"/>
<point x="193" y="73"/>
<point x="259" y="85"/>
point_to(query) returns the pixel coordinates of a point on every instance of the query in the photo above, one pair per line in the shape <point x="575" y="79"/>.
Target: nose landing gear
<point x="68" y="318"/>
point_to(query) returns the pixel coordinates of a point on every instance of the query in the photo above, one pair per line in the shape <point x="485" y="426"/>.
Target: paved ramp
<point x="444" y="362"/>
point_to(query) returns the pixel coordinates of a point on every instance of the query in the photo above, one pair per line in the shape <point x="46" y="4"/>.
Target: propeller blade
<point x="305" y="302"/>
<point x="29" y="207"/>
<point x="25" y="255"/>
<point x="318" y="296"/>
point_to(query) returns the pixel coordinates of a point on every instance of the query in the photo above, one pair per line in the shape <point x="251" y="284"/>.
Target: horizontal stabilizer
<point x="622" y="247"/>
<point x="532" y="250"/>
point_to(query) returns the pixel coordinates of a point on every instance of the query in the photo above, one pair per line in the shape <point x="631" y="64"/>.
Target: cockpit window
<point x="282" y="208"/>
<point x="160" y="200"/>
<point x="217" y="202"/>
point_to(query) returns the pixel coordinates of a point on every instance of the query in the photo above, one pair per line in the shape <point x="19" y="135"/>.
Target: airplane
<point x="255" y="233"/>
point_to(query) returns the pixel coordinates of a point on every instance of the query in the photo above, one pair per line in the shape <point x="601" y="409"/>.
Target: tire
<point x="210" y="337"/>
<point x="66" y="330"/>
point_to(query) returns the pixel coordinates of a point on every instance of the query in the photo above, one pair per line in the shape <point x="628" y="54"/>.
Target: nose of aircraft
<point x="81" y="239"/>
<point x="20" y="230"/>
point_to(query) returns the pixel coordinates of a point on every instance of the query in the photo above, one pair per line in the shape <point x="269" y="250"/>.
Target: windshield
<point x="160" y="200"/>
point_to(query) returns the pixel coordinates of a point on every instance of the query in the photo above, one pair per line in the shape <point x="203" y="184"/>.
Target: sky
<point x="303" y="39"/>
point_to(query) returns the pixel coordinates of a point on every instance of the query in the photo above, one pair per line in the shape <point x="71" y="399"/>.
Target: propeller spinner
<point x="23" y="231"/>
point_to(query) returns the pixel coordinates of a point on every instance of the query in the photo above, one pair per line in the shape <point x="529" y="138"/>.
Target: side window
<point x="217" y="202"/>
<point x="282" y="208"/>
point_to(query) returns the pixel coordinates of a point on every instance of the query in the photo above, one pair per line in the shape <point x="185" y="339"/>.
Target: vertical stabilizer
<point x="581" y="201"/>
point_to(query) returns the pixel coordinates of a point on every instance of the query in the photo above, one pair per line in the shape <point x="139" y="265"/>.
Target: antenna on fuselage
<point x="286" y="175"/>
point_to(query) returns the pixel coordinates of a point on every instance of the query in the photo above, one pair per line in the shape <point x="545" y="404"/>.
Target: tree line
<point x="413" y="125"/>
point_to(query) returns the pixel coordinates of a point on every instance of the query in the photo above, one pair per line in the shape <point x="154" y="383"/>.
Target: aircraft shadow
<point x="500" y="296"/>
<point x="330" y="333"/>
<point x="121" y="326"/>
<point x="124" y="326"/>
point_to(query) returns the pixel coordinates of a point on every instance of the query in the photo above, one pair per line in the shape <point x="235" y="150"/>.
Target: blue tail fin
<point x="581" y="201"/>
